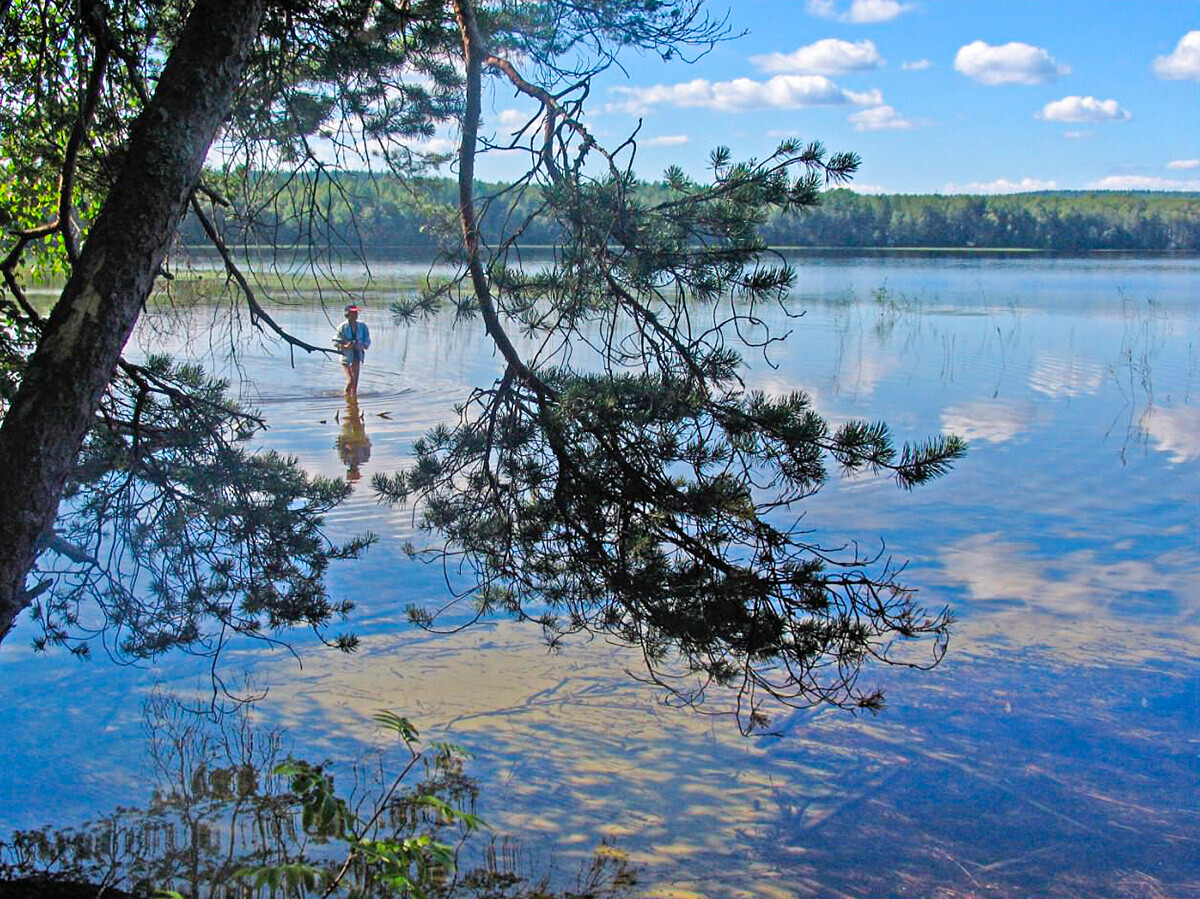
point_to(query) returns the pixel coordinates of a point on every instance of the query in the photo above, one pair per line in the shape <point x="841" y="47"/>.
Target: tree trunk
<point x="74" y="361"/>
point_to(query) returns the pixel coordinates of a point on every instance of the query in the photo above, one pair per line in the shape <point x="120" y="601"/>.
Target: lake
<point x="1054" y="752"/>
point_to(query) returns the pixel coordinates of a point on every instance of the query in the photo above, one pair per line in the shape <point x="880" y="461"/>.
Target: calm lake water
<point x="1056" y="750"/>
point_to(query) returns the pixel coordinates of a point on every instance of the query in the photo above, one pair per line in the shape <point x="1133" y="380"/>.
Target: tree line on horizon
<point x="377" y="213"/>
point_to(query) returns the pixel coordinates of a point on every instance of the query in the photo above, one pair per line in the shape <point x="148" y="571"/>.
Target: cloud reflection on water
<point x="1059" y="377"/>
<point x="991" y="421"/>
<point x="1175" y="430"/>
<point x="1092" y="606"/>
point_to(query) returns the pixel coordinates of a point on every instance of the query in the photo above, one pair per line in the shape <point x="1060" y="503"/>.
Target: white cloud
<point x="916" y="65"/>
<point x="666" y="140"/>
<point x="1000" y="186"/>
<point x="826" y="57"/>
<point x="1078" y="135"/>
<point x="1176" y="430"/>
<point x="1142" y="182"/>
<point x="873" y="97"/>
<point x="989" y="421"/>
<point x="1184" y="62"/>
<point x="1056" y="376"/>
<point x="861" y="187"/>
<point x="513" y="118"/>
<point x="1012" y="63"/>
<point x="780" y="92"/>
<point x="880" y="118"/>
<point x="1184" y="164"/>
<point x="858" y="374"/>
<point x="861" y="12"/>
<point x="1083" y="109"/>
<point x="430" y="145"/>
<point x="1071" y="601"/>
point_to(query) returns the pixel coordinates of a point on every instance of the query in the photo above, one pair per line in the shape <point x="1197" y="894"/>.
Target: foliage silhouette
<point x="106" y="113"/>
<point x="620" y="478"/>
<point x="173" y="525"/>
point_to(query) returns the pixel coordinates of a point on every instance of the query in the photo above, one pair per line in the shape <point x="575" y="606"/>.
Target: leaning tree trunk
<point x="67" y="375"/>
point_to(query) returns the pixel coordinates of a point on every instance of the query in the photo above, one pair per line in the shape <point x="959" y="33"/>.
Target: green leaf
<point x="399" y="724"/>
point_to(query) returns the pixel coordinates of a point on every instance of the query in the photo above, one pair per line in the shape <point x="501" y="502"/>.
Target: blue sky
<point x="936" y="96"/>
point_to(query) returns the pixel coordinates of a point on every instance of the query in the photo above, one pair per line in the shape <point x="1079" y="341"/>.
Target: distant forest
<point x="380" y="215"/>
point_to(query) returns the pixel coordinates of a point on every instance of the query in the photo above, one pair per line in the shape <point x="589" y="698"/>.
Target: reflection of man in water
<point x="353" y="444"/>
<point x="353" y="338"/>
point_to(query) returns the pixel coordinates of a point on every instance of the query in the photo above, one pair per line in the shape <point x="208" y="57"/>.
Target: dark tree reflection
<point x="220" y="809"/>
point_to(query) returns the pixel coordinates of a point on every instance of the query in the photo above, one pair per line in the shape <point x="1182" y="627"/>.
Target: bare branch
<point x="258" y="315"/>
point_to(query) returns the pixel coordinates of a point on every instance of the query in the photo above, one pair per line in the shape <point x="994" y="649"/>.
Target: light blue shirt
<point x="347" y="333"/>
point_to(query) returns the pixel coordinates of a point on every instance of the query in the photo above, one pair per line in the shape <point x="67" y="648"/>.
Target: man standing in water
<point x="353" y="338"/>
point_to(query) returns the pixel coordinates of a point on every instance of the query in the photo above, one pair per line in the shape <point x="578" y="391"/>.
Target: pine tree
<point x="644" y="495"/>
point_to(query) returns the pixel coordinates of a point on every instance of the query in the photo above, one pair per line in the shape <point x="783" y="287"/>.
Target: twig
<point x="257" y="313"/>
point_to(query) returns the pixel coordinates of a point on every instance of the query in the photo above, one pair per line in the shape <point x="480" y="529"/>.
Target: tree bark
<point x="474" y="53"/>
<point x="75" y="359"/>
